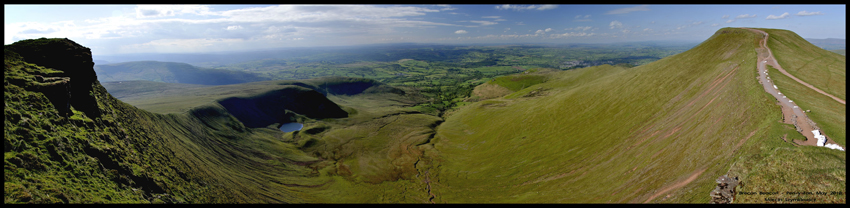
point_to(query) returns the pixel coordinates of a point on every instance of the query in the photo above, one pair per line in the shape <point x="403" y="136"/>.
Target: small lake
<point x="290" y="127"/>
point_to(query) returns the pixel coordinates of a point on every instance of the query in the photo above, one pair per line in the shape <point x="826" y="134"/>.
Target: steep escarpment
<point x="278" y="106"/>
<point x="66" y="140"/>
<point x="71" y="60"/>
<point x="345" y="86"/>
<point x="96" y="148"/>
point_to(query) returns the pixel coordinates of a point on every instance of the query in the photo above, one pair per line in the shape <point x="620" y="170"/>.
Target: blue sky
<point x="120" y="29"/>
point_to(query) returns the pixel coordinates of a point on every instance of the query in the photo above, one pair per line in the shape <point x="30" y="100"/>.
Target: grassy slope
<point x="599" y="134"/>
<point x="141" y="88"/>
<point x="821" y="68"/>
<point x="50" y="158"/>
<point x="356" y="159"/>
<point x="133" y="156"/>
<point x="617" y="136"/>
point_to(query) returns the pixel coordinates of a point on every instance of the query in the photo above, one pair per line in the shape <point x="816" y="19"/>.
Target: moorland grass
<point x="599" y="134"/>
<point x="823" y="69"/>
<point x="829" y="115"/>
<point x="617" y="137"/>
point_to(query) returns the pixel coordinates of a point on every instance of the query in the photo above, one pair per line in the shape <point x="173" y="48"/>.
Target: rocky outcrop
<point x="57" y="90"/>
<point x="75" y="63"/>
<point x="725" y="191"/>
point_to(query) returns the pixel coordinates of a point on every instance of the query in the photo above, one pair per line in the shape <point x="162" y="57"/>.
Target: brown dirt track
<point x="789" y="109"/>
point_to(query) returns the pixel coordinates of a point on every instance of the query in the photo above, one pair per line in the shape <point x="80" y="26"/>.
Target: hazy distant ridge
<point x="171" y="72"/>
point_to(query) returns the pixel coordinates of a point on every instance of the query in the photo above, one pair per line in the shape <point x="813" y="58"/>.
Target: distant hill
<point x="101" y="62"/>
<point x="171" y="72"/>
<point x="829" y="43"/>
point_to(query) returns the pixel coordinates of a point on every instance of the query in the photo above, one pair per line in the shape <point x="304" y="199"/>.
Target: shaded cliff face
<point x="352" y="86"/>
<point x="75" y="63"/>
<point x="66" y="140"/>
<point x="278" y="106"/>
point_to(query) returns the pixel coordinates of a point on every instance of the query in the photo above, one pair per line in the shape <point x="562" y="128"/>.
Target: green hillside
<point x="821" y="68"/>
<point x="121" y="154"/>
<point x="171" y="72"/>
<point x="661" y="132"/>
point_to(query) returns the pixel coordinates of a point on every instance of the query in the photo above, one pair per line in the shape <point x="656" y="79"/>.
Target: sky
<point x="126" y="29"/>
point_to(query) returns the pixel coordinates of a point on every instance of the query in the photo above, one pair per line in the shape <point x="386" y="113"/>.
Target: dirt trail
<point x="677" y="185"/>
<point x="792" y="114"/>
<point x="772" y="62"/>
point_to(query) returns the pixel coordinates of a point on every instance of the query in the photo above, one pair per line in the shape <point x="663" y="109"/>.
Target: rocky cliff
<point x="75" y="73"/>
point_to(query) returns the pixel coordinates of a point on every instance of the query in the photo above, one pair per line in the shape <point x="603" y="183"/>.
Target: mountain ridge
<point x="171" y="72"/>
<point x="656" y="133"/>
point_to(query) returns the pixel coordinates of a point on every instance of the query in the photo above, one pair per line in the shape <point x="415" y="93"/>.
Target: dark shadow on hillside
<point x="280" y="106"/>
<point x="353" y="86"/>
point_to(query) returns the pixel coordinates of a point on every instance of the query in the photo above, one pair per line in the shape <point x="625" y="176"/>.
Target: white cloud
<point x="730" y="21"/>
<point x="745" y="16"/>
<point x="295" y="13"/>
<point x="784" y="15"/>
<point x="483" y="23"/>
<point x="518" y="8"/>
<point x="548" y="30"/>
<point x="725" y="16"/>
<point x="647" y="30"/>
<point x="547" y="6"/>
<point x="460" y="32"/>
<point x="628" y="10"/>
<point x="183" y="45"/>
<point x="804" y="13"/>
<point x="446" y="7"/>
<point x="500" y="20"/>
<point x="714" y="25"/>
<point x="580" y="18"/>
<point x="492" y="17"/>
<point x="149" y="27"/>
<point x="626" y="30"/>
<point x="616" y="24"/>
<point x="148" y="11"/>
<point x="520" y="23"/>
<point x="571" y="34"/>
<point x="584" y="28"/>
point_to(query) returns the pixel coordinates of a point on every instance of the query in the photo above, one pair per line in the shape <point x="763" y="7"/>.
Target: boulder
<point x="724" y="192"/>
